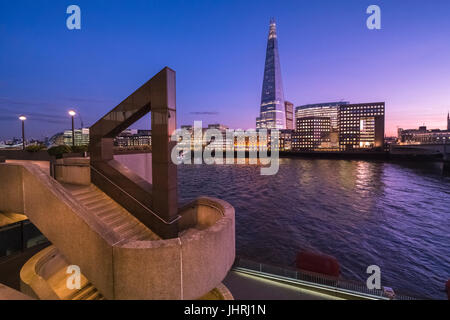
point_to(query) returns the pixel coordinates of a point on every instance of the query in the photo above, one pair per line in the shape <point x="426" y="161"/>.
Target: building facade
<point x="289" y="112"/>
<point x="311" y="133"/>
<point x="285" y="142"/>
<point x="361" y="126"/>
<point x="81" y="137"/>
<point x="327" y="110"/>
<point x="272" y="109"/>
<point x="423" y="136"/>
<point x="133" y="138"/>
<point x="448" y="121"/>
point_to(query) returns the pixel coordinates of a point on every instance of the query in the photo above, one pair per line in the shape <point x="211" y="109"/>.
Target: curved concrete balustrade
<point x="46" y="274"/>
<point x="199" y="259"/>
<point x="187" y="267"/>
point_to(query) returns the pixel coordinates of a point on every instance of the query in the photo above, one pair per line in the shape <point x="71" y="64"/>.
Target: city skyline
<point x="328" y="55"/>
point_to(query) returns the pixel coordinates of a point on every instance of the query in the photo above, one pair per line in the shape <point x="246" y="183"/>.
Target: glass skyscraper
<point x="272" y="114"/>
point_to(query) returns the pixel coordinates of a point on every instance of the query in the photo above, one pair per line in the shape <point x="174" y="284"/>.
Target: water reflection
<point x="362" y="212"/>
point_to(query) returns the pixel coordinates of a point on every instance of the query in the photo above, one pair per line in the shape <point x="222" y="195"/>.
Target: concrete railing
<point x="186" y="267"/>
<point x="73" y="170"/>
<point x="7" y="293"/>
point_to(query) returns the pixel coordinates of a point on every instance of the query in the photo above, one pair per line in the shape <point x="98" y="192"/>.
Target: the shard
<point x="272" y="114"/>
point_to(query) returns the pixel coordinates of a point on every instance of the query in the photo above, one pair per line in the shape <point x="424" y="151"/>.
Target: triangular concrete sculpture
<point x="154" y="204"/>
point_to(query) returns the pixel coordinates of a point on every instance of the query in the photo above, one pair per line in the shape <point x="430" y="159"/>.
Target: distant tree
<point x="58" y="151"/>
<point x="35" y="148"/>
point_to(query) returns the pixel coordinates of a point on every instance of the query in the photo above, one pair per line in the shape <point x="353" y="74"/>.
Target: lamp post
<point x="23" y="118"/>
<point x="72" y="114"/>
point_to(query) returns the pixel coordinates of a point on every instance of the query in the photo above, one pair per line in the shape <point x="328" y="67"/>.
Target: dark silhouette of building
<point x="448" y="121"/>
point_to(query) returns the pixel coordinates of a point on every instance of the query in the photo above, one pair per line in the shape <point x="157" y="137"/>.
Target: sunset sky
<point x="217" y="49"/>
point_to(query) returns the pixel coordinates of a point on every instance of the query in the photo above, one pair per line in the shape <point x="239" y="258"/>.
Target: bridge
<point x="438" y="151"/>
<point x="423" y="152"/>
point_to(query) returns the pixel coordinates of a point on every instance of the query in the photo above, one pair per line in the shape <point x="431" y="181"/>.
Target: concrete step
<point x="102" y="207"/>
<point x="84" y="292"/>
<point x="92" y="202"/>
<point x="88" y="196"/>
<point x="142" y="233"/>
<point x="95" y="296"/>
<point x="111" y="218"/>
<point x="114" y="216"/>
<point x="130" y="224"/>
<point x="132" y="234"/>
<point x="108" y="213"/>
<point x="79" y="190"/>
<point x="121" y="220"/>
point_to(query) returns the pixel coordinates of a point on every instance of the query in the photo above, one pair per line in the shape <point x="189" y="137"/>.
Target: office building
<point x="361" y="126"/>
<point x="310" y="133"/>
<point x="422" y="135"/>
<point x="286" y="139"/>
<point x="133" y="138"/>
<point x="289" y="111"/>
<point x="81" y="137"/>
<point x="327" y="110"/>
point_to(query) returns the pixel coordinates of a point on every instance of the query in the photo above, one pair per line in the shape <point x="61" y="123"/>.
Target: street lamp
<point x="23" y="118"/>
<point x="73" y="114"/>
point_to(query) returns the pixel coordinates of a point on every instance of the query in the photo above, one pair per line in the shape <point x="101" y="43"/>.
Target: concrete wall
<point x="208" y="254"/>
<point x="186" y="267"/>
<point x="11" y="189"/>
<point x="139" y="163"/>
<point x="148" y="270"/>
<point x="7" y="293"/>
<point x="25" y="155"/>
<point x="74" y="231"/>
<point x="73" y="171"/>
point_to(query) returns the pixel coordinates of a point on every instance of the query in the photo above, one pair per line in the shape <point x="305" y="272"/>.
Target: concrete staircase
<point x="57" y="278"/>
<point x="54" y="271"/>
<point x="91" y="231"/>
<point x="113" y="215"/>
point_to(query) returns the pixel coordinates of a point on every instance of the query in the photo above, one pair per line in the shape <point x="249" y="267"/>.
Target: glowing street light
<point x="73" y="114"/>
<point x="23" y="118"/>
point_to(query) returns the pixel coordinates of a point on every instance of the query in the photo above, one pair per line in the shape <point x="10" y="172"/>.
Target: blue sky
<point x="217" y="49"/>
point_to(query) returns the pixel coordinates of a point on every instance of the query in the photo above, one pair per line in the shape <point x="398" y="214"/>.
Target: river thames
<point x="394" y="215"/>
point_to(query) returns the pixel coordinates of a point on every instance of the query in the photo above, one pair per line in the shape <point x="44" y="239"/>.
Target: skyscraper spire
<point x="272" y="113"/>
<point x="448" y="121"/>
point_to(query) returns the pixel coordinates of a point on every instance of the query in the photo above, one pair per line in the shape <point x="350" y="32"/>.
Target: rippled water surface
<point x="396" y="216"/>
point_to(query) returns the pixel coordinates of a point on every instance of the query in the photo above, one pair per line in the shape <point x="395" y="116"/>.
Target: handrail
<point x="297" y="275"/>
<point x="178" y="217"/>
